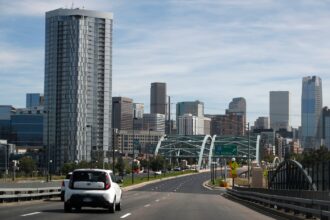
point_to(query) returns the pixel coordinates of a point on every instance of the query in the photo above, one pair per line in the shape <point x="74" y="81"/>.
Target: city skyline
<point x="242" y="53"/>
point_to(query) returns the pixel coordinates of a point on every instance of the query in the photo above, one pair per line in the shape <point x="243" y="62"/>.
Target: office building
<point x="146" y="141"/>
<point x="154" y="122"/>
<point x="261" y="123"/>
<point x="279" y="109"/>
<point x="34" y="100"/>
<point x="237" y="105"/>
<point x="158" y="98"/>
<point x="122" y="113"/>
<point x="195" y="108"/>
<point x="138" y="110"/>
<point x="326" y="127"/>
<point x="229" y="124"/>
<point x="311" y="112"/>
<point x="189" y="124"/>
<point x="78" y="84"/>
<point x="27" y="128"/>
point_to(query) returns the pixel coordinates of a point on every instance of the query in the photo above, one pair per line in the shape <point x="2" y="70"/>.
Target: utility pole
<point x="249" y="154"/>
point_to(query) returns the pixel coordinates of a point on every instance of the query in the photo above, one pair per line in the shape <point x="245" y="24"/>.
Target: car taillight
<point x="63" y="183"/>
<point x="107" y="182"/>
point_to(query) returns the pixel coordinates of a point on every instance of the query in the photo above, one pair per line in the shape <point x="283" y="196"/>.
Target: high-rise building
<point x="326" y="127"/>
<point x="78" y="84"/>
<point x="196" y="108"/>
<point x="158" y="98"/>
<point x="138" y="110"/>
<point x="228" y="124"/>
<point x="261" y="123"/>
<point x="237" y="105"/>
<point x="27" y="128"/>
<point x="311" y="112"/>
<point x="122" y="113"/>
<point x="189" y="124"/>
<point x="279" y="109"/>
<point x="154" y="122"/>
<point x="34" y="100"/>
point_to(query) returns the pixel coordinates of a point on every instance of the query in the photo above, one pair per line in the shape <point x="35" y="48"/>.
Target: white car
<point x="93" y="188"/>
<point x="65" y="184"/>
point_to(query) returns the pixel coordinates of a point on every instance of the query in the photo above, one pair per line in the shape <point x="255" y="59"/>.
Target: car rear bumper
<point x="88" y="201"/>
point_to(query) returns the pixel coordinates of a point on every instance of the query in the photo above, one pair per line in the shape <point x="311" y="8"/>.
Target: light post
<point x="86" y="150"/>
<point x="114" y="132"/>
<point x="49" y="169"/>
<point x="249" y="154"/>
<point x="133" y="149"/>
<point x="149" y="156"/>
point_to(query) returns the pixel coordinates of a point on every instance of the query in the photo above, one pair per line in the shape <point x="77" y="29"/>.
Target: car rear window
<point x="89" y="176"/>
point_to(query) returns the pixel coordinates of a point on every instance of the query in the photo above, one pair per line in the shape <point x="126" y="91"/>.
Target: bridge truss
<point x="200" y="147"/>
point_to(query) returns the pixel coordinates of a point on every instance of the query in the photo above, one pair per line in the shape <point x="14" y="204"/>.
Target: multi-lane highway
<point x="180" y="198"/>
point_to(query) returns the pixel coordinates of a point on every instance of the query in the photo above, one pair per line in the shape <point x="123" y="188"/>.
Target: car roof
<point x="90" y="169"/>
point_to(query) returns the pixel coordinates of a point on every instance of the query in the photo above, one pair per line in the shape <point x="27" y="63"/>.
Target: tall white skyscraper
<point x="279" y="109"/>
<point x="311" y="111"/>
<point x="78" y="84"/>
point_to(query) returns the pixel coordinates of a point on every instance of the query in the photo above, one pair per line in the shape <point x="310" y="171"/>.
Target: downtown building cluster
<point x="77" y="119"/>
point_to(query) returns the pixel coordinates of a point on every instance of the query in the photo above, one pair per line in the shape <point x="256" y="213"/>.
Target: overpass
<point x="200" y="147"/>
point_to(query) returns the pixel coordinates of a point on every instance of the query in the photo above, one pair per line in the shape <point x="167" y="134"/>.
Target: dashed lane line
<point x="32" y="213"/>
<point x="126" y="215"/>
<point x="147" y="205"/>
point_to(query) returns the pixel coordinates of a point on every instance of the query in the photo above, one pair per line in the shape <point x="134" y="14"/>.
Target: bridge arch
<point x="290" y="174"/>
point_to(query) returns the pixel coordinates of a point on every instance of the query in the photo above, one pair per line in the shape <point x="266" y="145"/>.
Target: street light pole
<point x="149" y="156"/>
<point x="249" y="154"/>
<point x="89" y="126"/>
<point x="113" y="149"/>
<point x="133" y="151"/>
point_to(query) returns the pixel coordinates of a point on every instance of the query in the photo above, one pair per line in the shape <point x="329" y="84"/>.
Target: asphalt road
<point x="181" y="198"/>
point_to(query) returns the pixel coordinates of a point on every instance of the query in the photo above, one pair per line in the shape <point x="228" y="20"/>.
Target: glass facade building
<point x="78" y="84"/>
<point x="33" y="100"/>
<point x="311" y="112"/>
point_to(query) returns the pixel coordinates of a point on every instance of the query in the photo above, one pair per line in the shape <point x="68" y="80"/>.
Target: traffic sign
<point x="229" y="150"/>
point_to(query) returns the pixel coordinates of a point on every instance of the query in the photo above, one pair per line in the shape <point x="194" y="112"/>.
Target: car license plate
<point x="87" y="199"/>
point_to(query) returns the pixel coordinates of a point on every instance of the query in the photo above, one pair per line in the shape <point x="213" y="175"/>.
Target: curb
<point x="211" y="187"/>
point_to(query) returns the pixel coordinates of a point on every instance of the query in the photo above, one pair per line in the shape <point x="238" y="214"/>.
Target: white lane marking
<point x="157" y="200"/>
<point x="32" y="213"/>
<point x="126" y="215"/>
<point x="147" y="205"/>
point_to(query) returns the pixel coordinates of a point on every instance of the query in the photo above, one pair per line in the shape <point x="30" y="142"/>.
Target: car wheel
<point x="67" y="207"/>
<point x="112" y="207"/>
<point x="118" y="207"/>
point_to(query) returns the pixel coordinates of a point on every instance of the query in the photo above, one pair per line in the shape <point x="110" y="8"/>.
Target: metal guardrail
<point x="308" y="207"/>
<point x="21" y="194"/>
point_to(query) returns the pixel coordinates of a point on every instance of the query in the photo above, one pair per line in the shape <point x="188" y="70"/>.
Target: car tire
<point x="118" y="207"/>
<point x="67" y="207"/>
<point x="112" y="207"/>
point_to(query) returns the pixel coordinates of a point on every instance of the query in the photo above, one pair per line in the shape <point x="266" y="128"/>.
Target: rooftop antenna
<point x="72" y="5"/>
<point x="83" y="4"/>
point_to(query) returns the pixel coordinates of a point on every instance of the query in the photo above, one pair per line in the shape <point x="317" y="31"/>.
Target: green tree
<point x="157" y="163"/>
<point x="27" y="165"/>
<point x="120" y="166"/>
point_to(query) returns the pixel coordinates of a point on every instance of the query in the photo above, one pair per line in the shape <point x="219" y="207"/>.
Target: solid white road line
<point x="147" y="205"/>
<point x="126" y="215"/>
<point x="157" y="200"/>
<point x="32" y="213"/>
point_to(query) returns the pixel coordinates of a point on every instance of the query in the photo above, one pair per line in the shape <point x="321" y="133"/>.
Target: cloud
<point x="203" y="49"/>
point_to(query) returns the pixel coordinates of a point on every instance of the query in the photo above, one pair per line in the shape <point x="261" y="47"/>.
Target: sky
<point x="207" y="50"/>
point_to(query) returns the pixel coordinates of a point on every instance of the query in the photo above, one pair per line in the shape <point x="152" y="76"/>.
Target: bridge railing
<point x="21" y="194"/>
<point x="308" y="203"/>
